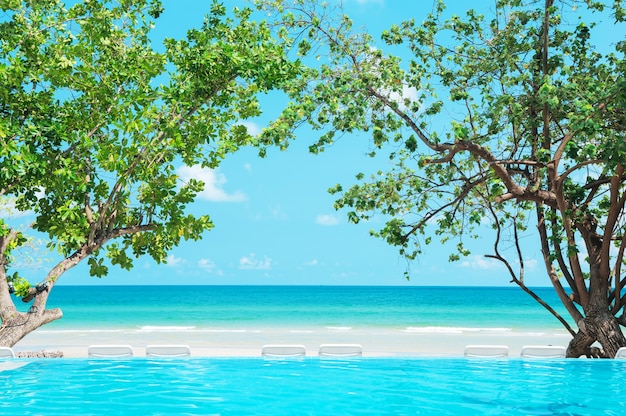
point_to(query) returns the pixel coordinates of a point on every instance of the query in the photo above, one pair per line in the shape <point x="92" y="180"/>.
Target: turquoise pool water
<point x="312" y="386"/>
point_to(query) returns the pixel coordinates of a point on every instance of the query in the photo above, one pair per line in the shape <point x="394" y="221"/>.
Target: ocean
<point x="239" y="308"/>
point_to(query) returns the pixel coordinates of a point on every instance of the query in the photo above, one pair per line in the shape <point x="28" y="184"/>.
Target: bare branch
<point x="554" y="279"/>
<point x="432" y="214"/>
<point x="617" y="272"/>
<point x="520" y="281"/>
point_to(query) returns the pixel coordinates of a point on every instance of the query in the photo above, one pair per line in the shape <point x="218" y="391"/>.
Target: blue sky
<point x="274" y="220"/>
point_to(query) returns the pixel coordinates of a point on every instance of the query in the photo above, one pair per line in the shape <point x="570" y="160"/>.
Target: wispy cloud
<point x="253" y="128"/>
<point x="408" y="94"/>
<point x="209" y="266"/>
<point x="326" y="219"/>
<point x="277" y="212"/>
<point x="173" y="261"/>
<point x="213" y="184"/>
<point x="481" y="263"/>
<point x="311" y="263"/>
<point x="530" y="263"/>
<point x="8" y="209"/>
<point x="273" y="212"/>
<point x="250" y="262"/>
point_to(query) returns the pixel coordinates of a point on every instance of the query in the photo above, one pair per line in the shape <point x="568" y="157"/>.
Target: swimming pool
<point x="312" y="386"/>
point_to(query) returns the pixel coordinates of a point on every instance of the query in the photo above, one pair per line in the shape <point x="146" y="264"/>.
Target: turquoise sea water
<point x="300" y="307"/>
<point x="313" y="386"/>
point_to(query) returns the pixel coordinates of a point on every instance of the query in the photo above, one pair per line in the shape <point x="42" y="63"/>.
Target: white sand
<point x="375" y="342"/>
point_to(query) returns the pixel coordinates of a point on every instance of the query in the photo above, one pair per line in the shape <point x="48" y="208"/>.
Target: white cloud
<point x="478" y="262"/>
<point x="253" y="128"/>
<point x="481" y="263"/>
<point x="326" y="219"/>
<point x="8" y="209"/>
<point x="406" y="97"/>
<point x="173" y="261"/>
<point x="531" y="264"/>
<point x="311" y="263"/>
<point x="208" y="266"/>
<point x="213" y="184"/>
<point x="252" y="263"/>
<point x="275" y="212"/>
<point x="409" y="94"/>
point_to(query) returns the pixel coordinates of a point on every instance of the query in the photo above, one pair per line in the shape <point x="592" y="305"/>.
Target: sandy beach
<point x="232" y="321"/>
<point x="248" y="343"/>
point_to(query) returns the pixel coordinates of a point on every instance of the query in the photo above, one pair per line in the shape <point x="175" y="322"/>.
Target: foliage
<point x="499" y="117"/>
<point x="95" y="121"/>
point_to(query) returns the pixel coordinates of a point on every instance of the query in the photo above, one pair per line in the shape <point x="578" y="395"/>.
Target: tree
<point x="95" y="121"/>
<point x="493" y="124"/>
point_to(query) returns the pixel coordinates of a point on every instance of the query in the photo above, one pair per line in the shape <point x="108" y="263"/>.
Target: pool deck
<point x="249" y="343"/>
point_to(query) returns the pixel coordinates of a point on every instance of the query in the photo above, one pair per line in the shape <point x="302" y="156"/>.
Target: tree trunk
<point x="602" y="328"/>
<point x="609" y="335"/>
<point x="599" y="324"/>
<point x="15" y="328"/>
<point x="580" y="345"/>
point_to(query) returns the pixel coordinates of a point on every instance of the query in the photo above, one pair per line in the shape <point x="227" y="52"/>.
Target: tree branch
<point x="85" y="251"/>
<point x="520" y="281"/>
<point x="431" y="214"/>
<point x="561" y="260"/>
<point x="554" y="279"/>
<point x="617" y="272"/>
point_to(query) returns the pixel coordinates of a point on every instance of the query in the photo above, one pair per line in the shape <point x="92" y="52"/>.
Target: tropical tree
<point x="495" y="121"/>
<point x="95" y="121"/>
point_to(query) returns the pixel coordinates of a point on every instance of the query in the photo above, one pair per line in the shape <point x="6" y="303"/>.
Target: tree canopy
<point x="498" y="120"/>
<point x="95" y="119"/>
